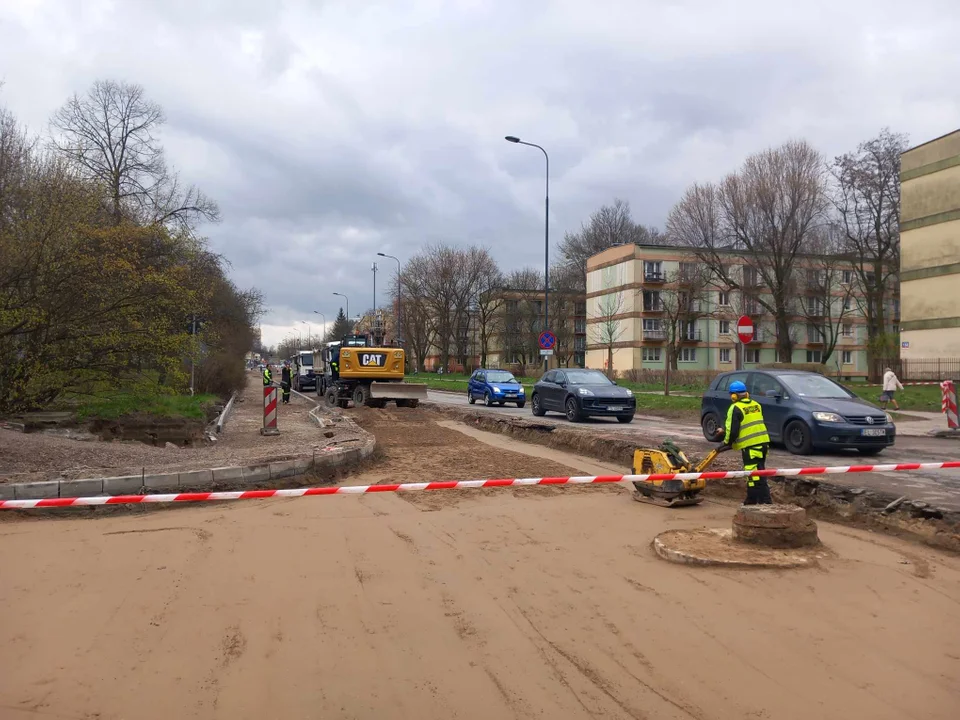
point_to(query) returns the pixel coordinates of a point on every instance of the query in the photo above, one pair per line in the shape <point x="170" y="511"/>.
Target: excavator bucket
<point x="410" y="394"/>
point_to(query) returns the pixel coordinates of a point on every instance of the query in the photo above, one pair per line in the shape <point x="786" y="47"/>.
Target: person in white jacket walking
<point x="891" y="383"/>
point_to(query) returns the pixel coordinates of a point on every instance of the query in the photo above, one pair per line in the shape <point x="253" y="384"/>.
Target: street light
<point x="324" y="319"/>
<point x="348" y="308"/>
<point x="546" y="239"/>
<point x="399" y="332"/>
<point x="309" y="332"/>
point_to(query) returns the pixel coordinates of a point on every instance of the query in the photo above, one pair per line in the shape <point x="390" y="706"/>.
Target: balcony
<point x="690" y="336"/>
<point x="815" y="339"/>
<point x="653" y="307"/>
<point x="658" y="335"/>
<point x="654" y="276"/>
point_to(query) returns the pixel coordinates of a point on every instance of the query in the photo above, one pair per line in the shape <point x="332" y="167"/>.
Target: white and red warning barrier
<point x="458" y="485"/>
<point x="269" y="411"/>
<point x="948" y="403"/>
<point x="908" y="384"/>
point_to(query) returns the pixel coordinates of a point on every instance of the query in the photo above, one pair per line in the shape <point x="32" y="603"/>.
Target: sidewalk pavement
<point x="932" y="425"/>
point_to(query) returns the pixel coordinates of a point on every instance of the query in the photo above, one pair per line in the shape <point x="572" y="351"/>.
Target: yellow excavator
<point x="667" y="459"/>
<point x="367" y="373"/>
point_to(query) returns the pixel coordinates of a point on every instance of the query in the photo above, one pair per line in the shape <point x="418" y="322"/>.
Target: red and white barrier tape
<point x="457" y="485"/>
<point x="908" y="384"/>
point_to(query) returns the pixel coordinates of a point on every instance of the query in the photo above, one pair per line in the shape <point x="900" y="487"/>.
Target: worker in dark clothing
<point x="286" y="381"/>
<point x="335" y="364"/>
<point x="267" y="376"/>
<point x="745" y="431"/>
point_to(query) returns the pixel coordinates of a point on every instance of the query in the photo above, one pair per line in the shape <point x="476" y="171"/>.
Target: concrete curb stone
<point x="328" y="458"/>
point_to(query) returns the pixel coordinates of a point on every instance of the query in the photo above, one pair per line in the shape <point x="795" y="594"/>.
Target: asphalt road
<point x="937" y="487"/>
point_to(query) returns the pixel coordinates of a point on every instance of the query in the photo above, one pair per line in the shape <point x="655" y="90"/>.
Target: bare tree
<point x="523" y="316"/>
<point x="109" y="135"/>
<point x="489" y="305"/>
<point x="418" y="325"/>
<point x="564" y="295"/>
<point x="685" y="299"/>
<point x="867" y="201"/>
<point x="610" y="225"/>
<point x="762" y="214"/>
<point x="825" y="300"/>
<point x="608" y="328"/>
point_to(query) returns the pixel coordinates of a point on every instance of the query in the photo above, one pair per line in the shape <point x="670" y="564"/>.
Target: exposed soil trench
<point x="500" y="603"/>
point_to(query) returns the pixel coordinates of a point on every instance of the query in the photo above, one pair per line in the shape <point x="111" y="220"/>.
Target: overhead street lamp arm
<point x="399" y="270"/>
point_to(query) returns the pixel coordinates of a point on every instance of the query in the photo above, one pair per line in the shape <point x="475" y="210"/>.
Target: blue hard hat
<point x="737" y="387"/>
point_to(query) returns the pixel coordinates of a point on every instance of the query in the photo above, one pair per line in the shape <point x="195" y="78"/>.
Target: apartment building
<point x="643" y="298"/>
<point x="930" y="249"/>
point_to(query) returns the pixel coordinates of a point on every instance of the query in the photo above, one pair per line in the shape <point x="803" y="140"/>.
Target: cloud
<point x="331" y="131"/>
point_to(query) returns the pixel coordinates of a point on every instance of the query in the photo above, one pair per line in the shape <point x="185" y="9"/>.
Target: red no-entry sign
<point x="745" y="329"/>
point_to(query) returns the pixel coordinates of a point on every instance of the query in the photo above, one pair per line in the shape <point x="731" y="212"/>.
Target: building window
<point x="847" y="330"/>
<point x="651" y="354"/>
<point x="653" y="270"/>
<point x="724" y="355"/>
<point x="652" y="301"/>
<point x="847" y="277"/>
<point x="848" y="303"/>
<point x="814" y="356"/>
<point x="752" y="355"/>
<point x="687" y="354"/>
<point x="723" y="297"/>
<point x="724" y="327"/>
<point x="848" y="357"/>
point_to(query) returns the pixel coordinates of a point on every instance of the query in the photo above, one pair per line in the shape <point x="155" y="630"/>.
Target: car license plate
<point x="614" y="408"/>
<point x="874" y="432"/>
<point x="511" y="394"/>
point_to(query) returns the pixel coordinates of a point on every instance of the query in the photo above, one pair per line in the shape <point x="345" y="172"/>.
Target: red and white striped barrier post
<point x="458" y="485"/>
<point x="269" y="411"/>
<point x="948" y="403"/>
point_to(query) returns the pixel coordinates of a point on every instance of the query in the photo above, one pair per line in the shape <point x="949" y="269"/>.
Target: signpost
<point x="547" y="342"/>
<point x="745" y="333"/>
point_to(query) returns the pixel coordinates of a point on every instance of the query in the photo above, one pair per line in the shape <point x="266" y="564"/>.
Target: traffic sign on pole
<point x="745" y="329"/>
<point x="547" y="340"/>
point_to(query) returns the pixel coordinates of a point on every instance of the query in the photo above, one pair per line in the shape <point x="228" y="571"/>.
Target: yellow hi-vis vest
<point x="753" y="431"/>
<point x="267" y="376"/>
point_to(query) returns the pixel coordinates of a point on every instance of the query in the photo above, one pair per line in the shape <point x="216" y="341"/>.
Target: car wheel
<point x="625" y="419"/>
<point x="870" y="450"/>
<point x="470" y="398"/>
<point x="537" y="409"/>
<point x="521" y="404"/>
<point x="331" y="397"/>
<point x="797" y="438"/>
<point x="487" y="400"/>
<point x="573" y="412"/>
<point x="709" y="425"/>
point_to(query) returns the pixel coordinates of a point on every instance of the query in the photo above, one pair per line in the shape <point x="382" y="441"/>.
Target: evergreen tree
<point x="341" y="326"/>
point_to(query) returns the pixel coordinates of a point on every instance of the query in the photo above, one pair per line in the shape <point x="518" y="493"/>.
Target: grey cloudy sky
<point x="334" y="129"/>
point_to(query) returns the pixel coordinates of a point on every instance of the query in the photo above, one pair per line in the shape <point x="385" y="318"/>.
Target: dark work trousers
<point x="285" y="386"/>
<point x="758" y="491"/>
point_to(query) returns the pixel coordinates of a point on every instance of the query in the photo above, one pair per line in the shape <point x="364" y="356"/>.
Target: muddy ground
<point x="502" y="603"/>
<point x="41" y="456"/>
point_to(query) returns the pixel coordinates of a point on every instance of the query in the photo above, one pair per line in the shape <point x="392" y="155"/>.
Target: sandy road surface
<point x="940" y="488"/>
<point x="515" y="603"/>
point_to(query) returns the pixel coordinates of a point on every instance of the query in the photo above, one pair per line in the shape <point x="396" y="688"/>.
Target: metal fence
<point x="934" y="369"/>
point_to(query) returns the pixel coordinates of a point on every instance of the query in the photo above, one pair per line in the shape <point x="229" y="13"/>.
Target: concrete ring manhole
<point x="719" y="548"/>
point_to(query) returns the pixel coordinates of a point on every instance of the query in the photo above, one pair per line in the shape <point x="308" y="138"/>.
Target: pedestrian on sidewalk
<point x="891" y="383"/>
<point x="286" y="381"/>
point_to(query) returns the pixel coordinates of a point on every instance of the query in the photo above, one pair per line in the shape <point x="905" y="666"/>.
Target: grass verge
<point x="119" y="403"/>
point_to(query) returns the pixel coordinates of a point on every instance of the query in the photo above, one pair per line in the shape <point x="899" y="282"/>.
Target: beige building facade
<point x="930" y="249"/>
<point x="632" y="288"/>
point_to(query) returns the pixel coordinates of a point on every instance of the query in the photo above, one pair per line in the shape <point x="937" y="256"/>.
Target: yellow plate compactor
<point x="668" y="458"/>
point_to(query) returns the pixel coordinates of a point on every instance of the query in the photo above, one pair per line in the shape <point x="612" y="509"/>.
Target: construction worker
<point x="286" y="381"/>
<point x="745" y="431"/>
<point x="335" y="364"/>
<point x="267" y="376"/>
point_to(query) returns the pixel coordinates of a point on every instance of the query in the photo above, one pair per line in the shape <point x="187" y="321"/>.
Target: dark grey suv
<point x="579" y="393"/>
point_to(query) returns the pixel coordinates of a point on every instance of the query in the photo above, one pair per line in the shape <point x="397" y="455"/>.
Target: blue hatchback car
<point x="495" y="387"/>
<point x="803" y="410"/>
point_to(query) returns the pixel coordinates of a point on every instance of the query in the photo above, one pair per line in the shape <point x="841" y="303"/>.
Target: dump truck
<point x="358" y="370"/>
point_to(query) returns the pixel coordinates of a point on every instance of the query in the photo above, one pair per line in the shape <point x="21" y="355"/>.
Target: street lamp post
<point x="348" y="308"/>
<point x="309" y="333"/>
<point x="324" y="326"/>
<point x="399" y="331"/>
<point x="546" y="239"/>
